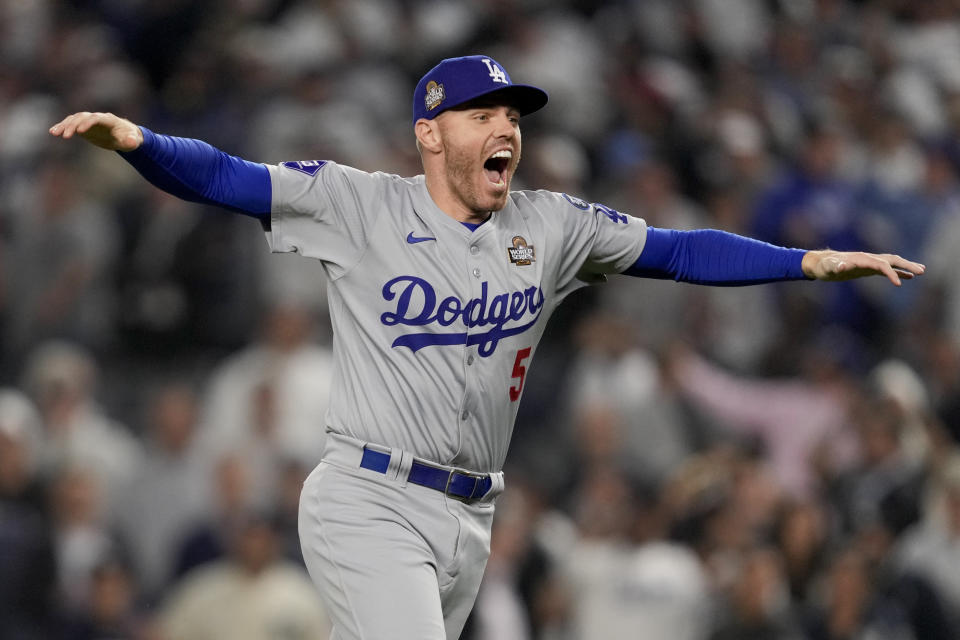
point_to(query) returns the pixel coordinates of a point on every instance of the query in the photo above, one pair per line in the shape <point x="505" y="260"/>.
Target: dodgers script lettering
<point x="417" y="306"/>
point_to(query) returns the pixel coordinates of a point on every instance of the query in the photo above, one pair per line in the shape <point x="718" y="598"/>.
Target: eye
<point x="482" y="117"/>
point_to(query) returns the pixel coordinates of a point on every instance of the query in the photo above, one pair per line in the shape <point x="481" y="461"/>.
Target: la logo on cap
<point x="496" y="73"/>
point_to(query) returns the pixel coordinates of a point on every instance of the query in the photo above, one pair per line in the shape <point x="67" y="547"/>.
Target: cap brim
<point x="524" y="97"/>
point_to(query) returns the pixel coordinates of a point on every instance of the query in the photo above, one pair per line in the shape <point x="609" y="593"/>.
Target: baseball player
<point x="440" y="287"/>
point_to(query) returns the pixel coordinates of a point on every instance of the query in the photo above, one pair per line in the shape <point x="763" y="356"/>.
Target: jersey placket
<point x="477" y="276"/>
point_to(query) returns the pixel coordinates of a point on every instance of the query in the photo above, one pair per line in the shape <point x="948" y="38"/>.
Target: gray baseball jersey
<point x="435" y="325"/>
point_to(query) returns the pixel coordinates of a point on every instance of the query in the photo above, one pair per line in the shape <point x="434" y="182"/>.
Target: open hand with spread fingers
<point x="847" y="265"/>
<point x="102" y="129"/>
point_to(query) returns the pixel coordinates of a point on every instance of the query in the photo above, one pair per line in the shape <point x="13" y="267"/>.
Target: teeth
<point x="506" y="153"/>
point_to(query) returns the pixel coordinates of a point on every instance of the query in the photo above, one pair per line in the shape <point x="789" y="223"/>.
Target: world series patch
<point x="434" y="95"/>
<point x="520" y="253"/>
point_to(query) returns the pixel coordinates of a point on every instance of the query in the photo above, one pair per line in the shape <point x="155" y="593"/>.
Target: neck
<point x="450" y="204"/>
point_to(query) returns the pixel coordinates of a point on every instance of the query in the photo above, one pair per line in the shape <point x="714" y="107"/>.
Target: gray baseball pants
<point x="391" y="559"/>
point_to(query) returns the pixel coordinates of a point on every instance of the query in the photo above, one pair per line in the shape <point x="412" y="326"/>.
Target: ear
<point x="428" y="134"/>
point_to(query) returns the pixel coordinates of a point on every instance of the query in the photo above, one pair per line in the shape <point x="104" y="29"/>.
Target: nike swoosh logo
<point x="412" y="239"/>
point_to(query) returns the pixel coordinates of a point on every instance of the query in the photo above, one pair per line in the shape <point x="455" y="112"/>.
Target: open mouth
<point x="496" y="165"/>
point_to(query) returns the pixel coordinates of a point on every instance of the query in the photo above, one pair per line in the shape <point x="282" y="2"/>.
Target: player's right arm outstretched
<point x="187" y="168"/>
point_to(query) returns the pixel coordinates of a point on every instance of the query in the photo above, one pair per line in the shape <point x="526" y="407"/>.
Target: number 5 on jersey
<point x="519" y="373"/>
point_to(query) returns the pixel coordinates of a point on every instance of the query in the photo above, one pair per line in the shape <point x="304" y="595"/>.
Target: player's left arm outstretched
<point x="712" y="257"/>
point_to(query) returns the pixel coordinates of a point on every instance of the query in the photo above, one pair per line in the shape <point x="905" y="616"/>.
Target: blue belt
<point x="461" y="485"/>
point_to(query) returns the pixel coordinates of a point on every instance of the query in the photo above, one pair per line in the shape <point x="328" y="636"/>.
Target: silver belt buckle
<point x="477" y="479"/>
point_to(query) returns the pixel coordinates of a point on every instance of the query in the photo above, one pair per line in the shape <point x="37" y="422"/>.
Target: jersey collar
<point x="426" y="207"/>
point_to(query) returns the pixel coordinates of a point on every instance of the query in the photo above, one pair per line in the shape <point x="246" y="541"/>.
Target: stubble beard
<point x="461" y="178"/>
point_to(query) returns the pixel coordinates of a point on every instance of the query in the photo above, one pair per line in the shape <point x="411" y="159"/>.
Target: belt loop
<point x="393" y="467"/>
<point x="496" y="487"/>
<point x="403" y="467"/>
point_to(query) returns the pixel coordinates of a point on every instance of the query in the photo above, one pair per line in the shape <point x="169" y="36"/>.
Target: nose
<point x="505" y="128"/>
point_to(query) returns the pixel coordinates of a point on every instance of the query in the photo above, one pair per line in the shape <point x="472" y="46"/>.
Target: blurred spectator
<point x="21" y="441"/>
<point x="207" y="539"/>
<point x="896" y="164"/>
<point x="736" y="30"/>
<point x="27" y="563"/>
<point x="884" y="487"/>
<point x="739" y="160"/>
<point x="931" y="549"/>
<point x="61" y="378"/>
<point x="862" y="598"/>
<point x="213" y="264"/>
<point x="171" y="490"/>
<point x="155" y="299"/>
<point x="811" y="204"/>
<point x="270" y="399"/>
<point x="550" y="537"/>
<point x="252" y="594"/>
<point x="940" y="210"/>
<point x="564" y="54"/>
<point x="791" y="417"/>
<point x="722" y="504"/>
<point x="735" y="326"/>
<point x="113" y="610"/>
<point x="627" y="579"/>
<point x="926" y="40"/>
<point x="500" y="612"/>
<point x="898" y="386"/>
<point x="814" y="205"/>
<point x="61" y="255"/>
<point x="941" y="359"/>
<point x="845" y="599"/>
<point x="760" y="607"/>
<point x="558" y="163"/>
<point x="651" y="192"/>
<point x="623" y="412"/>
<point x="791" y="83"/>
<point x="911" y="214"/>
<point x="802" y="536"/>
<point x="83" y="536"/>
<point x="286" y="509"/>
<point x="659" y="311"/>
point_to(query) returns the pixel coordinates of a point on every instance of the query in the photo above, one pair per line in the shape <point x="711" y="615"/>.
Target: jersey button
<point x="474" y="249"/>
<point x="476" y="272"/>
<point x="464" y="416"/>
<point x="470" y="359"/>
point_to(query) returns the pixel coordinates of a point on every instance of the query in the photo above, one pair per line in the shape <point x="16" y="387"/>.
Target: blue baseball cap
<point x="458" y="80"/>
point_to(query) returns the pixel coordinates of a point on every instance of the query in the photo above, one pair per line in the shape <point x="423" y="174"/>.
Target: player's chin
<point x="497" y="193"/>
<point x="495" y="201"/>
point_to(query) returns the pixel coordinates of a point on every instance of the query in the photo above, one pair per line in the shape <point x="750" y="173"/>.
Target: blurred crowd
<point x="776" y="462"/>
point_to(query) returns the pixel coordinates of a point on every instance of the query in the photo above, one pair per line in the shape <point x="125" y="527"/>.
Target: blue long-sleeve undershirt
<point x="712" y="257"/>
<point x="198" y="172"/>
